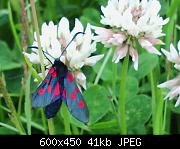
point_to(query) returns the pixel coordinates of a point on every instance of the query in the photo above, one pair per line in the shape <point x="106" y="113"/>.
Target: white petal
<point x="63" y="29"/>
<point x="177" y="102"/>
<point x="80" y="79"/>
<point x="34" y="58"/>
<point x="44" y="29"/>
<point x="170" y="83"/>
<point x="71" y="51"/>
<point x="134" y="56"/>
<point x="177" y="66"/>
<point x="166" y="53"/>
<point x="120" y="53"/>
<point x="165" y="21"/>
<point x="179" y="46"/>
<point x="77" y="28"/>
<point x="173" y="51"/>
<point x="52" y="30"/>
<point x="56" y="48"/>
<point x="144" y="43"/>
<point x="93" y="60"/>
<point x="152" y="50"/>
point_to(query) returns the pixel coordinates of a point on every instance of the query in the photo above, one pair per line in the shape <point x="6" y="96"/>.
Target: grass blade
<point x="8" y="127"/>
<point x="28" y="104"/>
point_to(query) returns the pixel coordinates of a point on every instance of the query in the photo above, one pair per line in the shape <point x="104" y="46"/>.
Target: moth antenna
<point x="71" y="42"/>
<point x="44" y="52"/>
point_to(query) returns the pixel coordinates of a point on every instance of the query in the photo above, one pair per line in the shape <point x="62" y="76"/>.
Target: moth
<point x="59" y="86"/>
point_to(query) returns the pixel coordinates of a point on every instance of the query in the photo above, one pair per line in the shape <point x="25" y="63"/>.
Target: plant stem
<point x="157" y="106"/>
<point x="164" y="117"/>
<point x="66" y="120"/>
<point x="43" y="118"/>
<point x="13" y="115"/>
<point x="75" y="130"/>
<point x="13" y="26"/>
<point x="159" y="113"/>
<point x="153" y="92"/>
<point x="122" y="96"/>
<point x="102" y="66"/>
<point x="50" y="122"/>
<point x="51" y="126"/>
<point x="38" y="36"/>
<point x="114" y="67"/>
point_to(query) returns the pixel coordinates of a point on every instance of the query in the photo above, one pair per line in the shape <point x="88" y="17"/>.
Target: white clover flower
<point x="55" y="38"/>
<point x="174" y="84"/>
<point x="173" y="56"/>
<point x="130" y="21"/>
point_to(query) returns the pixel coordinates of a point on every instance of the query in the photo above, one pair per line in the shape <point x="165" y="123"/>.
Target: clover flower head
<point x="129" y="21"/>
<point x="173" y="84"/>
<point x="54" y="38"/>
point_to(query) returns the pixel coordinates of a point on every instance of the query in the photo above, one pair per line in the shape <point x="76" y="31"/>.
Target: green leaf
<point x="33" y="124"/>
<point x="147" y="62"/>
<point x="138" y="129"/>
<point x="103" y="125"/>
<point x="8" y="127"/>
<point x="13" y="80"/>
<point x="138" y="110"/>
<point x="3" y="16"/>
<point x="7" y="61"/>
<point x="78" y="123"/>
<point x="90" y="15"/>
<point x="6" y="131"/>
<point x="107" y="72"/>
<point x="102" y="2"/>
<point x="98" y="102"/>
<point x="27" y="105"/>
<point x="131" y="88"/>
<point x="173" y="108"/>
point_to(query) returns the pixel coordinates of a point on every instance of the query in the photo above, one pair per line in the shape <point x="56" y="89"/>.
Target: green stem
<point x="13" y="114"/>
<point x="66" y="120"/>
<point x="114" y="66"/>
<point x="43" y="118"/>
<point x="157" y="106"/>
<point x="153" y="92"/>
<point x="50" y="122"/>
<point x="159" y="113"/>
<point x="20" y="103"/>
<point x="13" y="27"/>
<point x="38" y="36"/>
<point x="51" y="126"/>
<point x="164" y="117"/>
<point x="75" y="130"/>
<point x="102" y="67"/>
<point x="122" y="96"/>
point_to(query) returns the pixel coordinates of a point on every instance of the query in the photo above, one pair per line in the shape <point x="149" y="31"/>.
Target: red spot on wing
<point x="49" y="88"/>
<point x="73" y="95"/>
<point x="64" y="93"/>
<point x="54" y="74"/>
<point x="81" y="104"/>
<point x="41" y="91"/>
<point x="70" y="77"/>
<point x="47" y="80"/>
<point x="51" y="70"/>
<point x="56" y="90"/>
<point x="77" y="90"/>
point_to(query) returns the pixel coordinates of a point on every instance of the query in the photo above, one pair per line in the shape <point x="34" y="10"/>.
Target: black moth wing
<point x="51" y="109"/>
<point x="74" y="100"/>
<point x="48" y="91"/>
